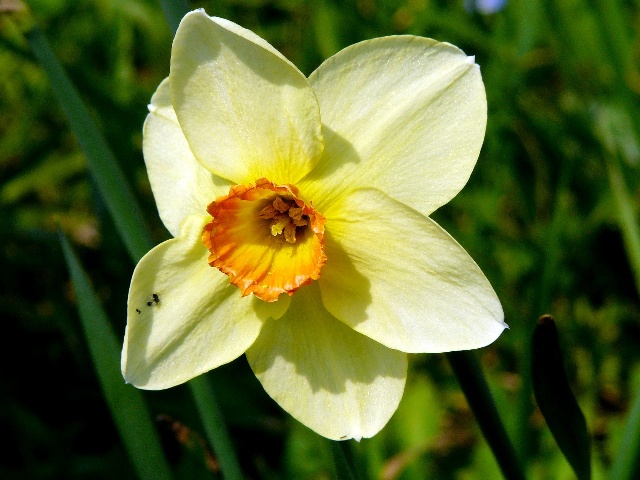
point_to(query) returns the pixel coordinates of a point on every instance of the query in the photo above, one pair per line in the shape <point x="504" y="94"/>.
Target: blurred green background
<point x="550" y="214"/>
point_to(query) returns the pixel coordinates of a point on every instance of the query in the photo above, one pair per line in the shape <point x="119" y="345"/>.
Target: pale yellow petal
<point x="183" y="317"/>
<point x="405" y="115"/>
<point x="333" y="380"/>
<point x="396" y="276"/>
<point x="246" y="111"/>
<point x="180" y="185"/>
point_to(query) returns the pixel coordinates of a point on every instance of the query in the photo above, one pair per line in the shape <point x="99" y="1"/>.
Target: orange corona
<point x="266" y="238"/>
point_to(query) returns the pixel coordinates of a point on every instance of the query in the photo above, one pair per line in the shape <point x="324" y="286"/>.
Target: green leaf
<point x="625" y="209"/>
<point x="556" y="400"/>
<point x="626" y="465"/>
<point x="343" y="460"/>
<point x="214" y="427"/>
<point x="174" y="10"/>
<point x="126" y="403"/>
<point x="108" y="176"/>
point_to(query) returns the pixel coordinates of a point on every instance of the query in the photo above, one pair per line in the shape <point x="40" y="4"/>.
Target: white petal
<point x="199" y="321"/>
<point x="405" y="115"/>
<point x="246" y="111"/>
<point x="335" y="381"/>
<point x="180" y="185"/>
<point x="399" y="278"/>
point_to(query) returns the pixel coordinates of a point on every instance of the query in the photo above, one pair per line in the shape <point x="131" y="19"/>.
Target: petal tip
<point x="127" y="378"/>
<point x="194" y="12"/>
<point x="198" y="11"/>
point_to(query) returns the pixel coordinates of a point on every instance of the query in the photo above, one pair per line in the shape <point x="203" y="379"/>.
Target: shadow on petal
<point x="310" y="346"/>
<point x="184" y="318"/>
<point x="329" y="377"/>
<point x="342" y="275"/>
<point x="338" y="151"/>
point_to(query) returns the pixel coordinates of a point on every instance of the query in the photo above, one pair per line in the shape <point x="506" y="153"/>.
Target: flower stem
<point x="474" y="386"/>
<point x="215" y="428"/>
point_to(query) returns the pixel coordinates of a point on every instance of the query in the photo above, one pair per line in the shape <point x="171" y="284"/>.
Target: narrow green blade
<point x="626" y="465"/>
<point x="126" y="403"/>
<point x="556" y="400"/>
<point x="174" y="10"/>
<point x="343" y="461"/>
<point x="215" y="427"/>
<point x="627" y="216"/>
<point x="104" y="169"/>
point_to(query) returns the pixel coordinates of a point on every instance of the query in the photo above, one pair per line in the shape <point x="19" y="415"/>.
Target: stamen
<point x="267" y="212"/>
<point x="280" y="205"/>
<point x="287" y="217"/>
<point x="290" y="232"/>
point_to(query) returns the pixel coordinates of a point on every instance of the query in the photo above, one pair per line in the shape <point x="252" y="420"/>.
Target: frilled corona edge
<point x="266" y="238"/>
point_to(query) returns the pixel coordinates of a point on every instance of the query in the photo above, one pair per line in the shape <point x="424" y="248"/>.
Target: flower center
<point x="286" y="216"/>
<point x="266" y="238"/>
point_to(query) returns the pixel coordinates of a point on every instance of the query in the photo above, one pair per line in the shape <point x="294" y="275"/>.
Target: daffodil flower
<point x="299" y="208"/>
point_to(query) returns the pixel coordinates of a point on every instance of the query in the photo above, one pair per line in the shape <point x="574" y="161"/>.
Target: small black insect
<point x="154" y="299"/>
<point x="138" y="311"/>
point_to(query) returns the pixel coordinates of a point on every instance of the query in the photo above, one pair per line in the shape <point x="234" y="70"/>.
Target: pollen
<point x="266" y="238"/>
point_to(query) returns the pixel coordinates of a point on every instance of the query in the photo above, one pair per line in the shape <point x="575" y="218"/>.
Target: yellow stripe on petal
<point x="266" y="238"/>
